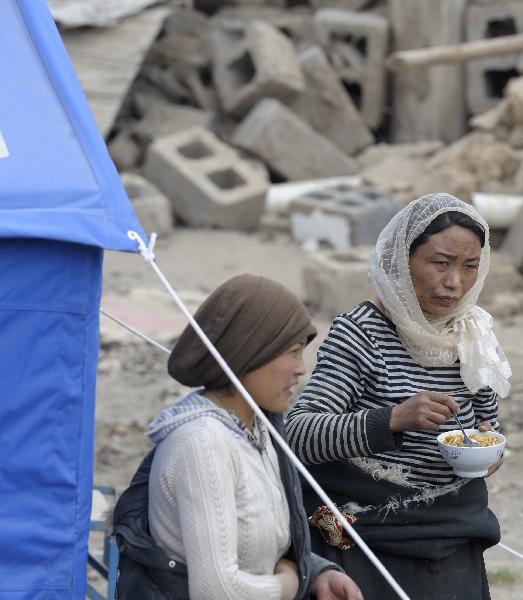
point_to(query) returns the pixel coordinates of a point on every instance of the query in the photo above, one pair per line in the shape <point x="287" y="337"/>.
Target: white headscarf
<point x="465" y="333"/>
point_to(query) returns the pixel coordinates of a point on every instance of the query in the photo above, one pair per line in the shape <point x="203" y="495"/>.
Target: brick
<point x="208" y="184"/>
<point x="326" y="106"/>
<point x="357" y="44"/>
<point x="336" y="280"/>
<point x="288" y="145"/>
<point x="341" y="216"/>
<point x="252" y="61"/>
<point x="486" y="78"/>
<point x="152" y="208"/>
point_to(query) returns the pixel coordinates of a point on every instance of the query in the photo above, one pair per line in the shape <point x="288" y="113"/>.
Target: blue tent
<point x="61" y="204"/>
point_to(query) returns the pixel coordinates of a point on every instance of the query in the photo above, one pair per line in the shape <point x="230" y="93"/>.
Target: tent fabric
<point x="49" y="307"/>
<point x="61" y="204"/>
<point x="57" y="180"/>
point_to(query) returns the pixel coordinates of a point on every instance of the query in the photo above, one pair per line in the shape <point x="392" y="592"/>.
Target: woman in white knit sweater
<point x="223" y="500"/>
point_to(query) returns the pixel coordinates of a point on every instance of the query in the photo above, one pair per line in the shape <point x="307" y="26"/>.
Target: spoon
<point x="466" y="440"/>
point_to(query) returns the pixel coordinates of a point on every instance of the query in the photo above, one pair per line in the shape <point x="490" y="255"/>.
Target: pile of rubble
<point x="240" y="101"/>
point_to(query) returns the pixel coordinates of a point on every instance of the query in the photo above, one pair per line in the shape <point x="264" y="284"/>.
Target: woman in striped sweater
<point x="390" y="375"/>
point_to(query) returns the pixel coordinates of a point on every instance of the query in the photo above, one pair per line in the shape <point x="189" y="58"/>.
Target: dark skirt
<point x="460" y="576"/>
<point x="433" y="549"/>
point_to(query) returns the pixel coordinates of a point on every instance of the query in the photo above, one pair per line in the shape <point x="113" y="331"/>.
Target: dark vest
<point x="146" y="573"/>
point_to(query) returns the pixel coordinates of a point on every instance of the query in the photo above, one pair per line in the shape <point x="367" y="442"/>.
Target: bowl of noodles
<point x="471" y="461"/>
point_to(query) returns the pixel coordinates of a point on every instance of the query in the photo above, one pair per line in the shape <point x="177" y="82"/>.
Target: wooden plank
<point x="108" y="60"/>
<point x="455" y="53"/>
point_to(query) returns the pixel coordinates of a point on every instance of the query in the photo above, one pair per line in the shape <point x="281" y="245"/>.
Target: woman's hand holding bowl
<point x="486" y="426"/>
<point x="424" y="410"/>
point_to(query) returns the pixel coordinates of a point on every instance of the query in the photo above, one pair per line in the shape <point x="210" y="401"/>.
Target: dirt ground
<point x="133" y="385"/>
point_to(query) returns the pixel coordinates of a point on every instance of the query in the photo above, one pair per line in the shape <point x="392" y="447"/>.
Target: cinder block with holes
<point x="336" y="280"/>
<point x="291" y="148"/>
<point x="326" y="106"/>
<point x="341" y="216"/>
<point x="356" y="44"/>
<point x="487" y="78"/>
<point x="208" y="183"/>
<point x="250" y="61"/>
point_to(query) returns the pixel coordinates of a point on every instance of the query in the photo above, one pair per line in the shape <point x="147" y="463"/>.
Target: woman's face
<point x="444" y="269"/>
<point x="272" y="385"/>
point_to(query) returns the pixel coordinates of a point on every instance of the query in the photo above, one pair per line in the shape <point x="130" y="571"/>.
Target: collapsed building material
<point x="106" y="61"/>
<point x="326" y="106"/>
<point x="152" y="208"/>
<point x="357" y="44"/>
<point x="487" y="78"/>
<point x="296" y="24"/>
<point x="427" y="104"/>
<point x="291" y="148"/>
<point x="252" y="61"/>
<point x="208" y="184"/>
<point x="336" y="280"/>
<point x="95" y="13"/>
<point x="340" y="216"/>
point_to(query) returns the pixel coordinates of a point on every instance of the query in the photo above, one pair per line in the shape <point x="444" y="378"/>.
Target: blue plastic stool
<point x="109" y="567"/>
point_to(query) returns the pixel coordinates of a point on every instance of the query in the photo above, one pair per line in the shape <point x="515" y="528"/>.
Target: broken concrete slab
<point x="107" y="61"/>
<point x="336" y="280"/>
<point x="325" y="105"/>
<point x="394" y="173"/>
<point x="357" y="44"/>
<point x="252" y="61"/>
<point x="288" y="145"/>
<point x="151" y="206"/>
<point x="377" y="153"/>
<point x="208" y="184"/>
<point x="341" y="216"/>
<point x="95" y="13"/>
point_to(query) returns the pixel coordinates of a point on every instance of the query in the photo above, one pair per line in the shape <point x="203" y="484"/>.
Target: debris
<point x="97" y="13"/>
<point x="288" y="145"/>
<point x="207" y="182"/>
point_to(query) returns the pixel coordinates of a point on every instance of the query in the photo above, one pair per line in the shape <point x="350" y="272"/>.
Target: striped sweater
<point x="363" y="371"/>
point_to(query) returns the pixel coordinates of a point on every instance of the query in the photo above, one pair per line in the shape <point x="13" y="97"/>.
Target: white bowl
<point x="469" y="461"/>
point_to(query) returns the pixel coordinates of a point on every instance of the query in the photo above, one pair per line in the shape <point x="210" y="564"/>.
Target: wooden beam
<point x="422" y="58"/>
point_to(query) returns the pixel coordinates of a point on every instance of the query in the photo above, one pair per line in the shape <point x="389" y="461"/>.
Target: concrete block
<point x="152" y="208"/>
<point x="514" y="101"/>
<point x="296" y="24"/>
<point x="357" y="44"/>
<point x="208" y="184"/>
<point x="291" y="148"/>
<point x="428" y="103"/>
<point x="167" y="119"/>
<point x="336" y="280"/>
<point x="252" y="61"/>
<point x="326" y="106"/>
<point x="487" y="78"/>
<point x="341" y="216"/>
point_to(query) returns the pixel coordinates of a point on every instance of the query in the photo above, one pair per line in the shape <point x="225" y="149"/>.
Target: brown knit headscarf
<point x="251" y="320"/>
